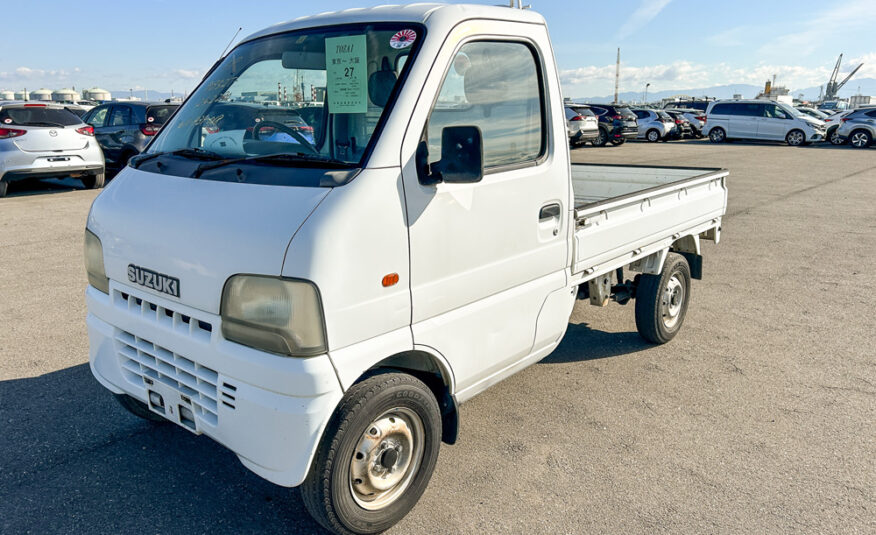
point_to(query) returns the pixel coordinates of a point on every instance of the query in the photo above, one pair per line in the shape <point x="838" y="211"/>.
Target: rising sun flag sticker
<point x="403" y="39"/>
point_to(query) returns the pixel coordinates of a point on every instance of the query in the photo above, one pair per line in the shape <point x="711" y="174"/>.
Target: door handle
<point x="548" y="212"/>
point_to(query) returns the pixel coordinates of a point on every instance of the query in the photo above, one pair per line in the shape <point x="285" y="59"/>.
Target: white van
<point x="760" y="120"/>
<point x="321" y="301"/>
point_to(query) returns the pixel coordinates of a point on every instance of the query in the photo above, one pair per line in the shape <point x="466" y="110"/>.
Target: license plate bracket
<point x="172" y="405"/>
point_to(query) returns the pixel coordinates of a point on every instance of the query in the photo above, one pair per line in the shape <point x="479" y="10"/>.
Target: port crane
<point x="833" y="87"/>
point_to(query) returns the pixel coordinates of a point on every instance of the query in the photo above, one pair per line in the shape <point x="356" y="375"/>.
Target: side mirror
<point x="462" y="154"/>
<point x="462" y="157"/>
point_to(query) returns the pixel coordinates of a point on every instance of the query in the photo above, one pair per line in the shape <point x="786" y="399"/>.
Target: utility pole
<point x="616" y="75"/>
<point x="645" y="98"/>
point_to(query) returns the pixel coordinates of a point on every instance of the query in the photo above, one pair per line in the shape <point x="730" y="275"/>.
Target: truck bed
<point x="624" y="213"/>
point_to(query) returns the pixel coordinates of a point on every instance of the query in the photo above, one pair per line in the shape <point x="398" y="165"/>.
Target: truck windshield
<point x="318" y="95"/>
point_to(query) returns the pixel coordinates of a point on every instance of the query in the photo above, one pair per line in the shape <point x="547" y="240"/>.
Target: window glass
<point x="121" y="116"/>
<point x="570" y="113"/>
<point x="98" y="117"/>
<point x="723" y="109"/>
<point x="871" y="113"/>
<point x="749" y="109"/>
<point x="586" y="112"/>
<point x="774" y="112"/>
<point x="641" y="114"/>
<point x="494" y="86"/>
<point x="159" y="114"/>
<point x="37" y="116"/>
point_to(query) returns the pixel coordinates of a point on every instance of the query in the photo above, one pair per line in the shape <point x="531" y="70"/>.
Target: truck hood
<point x="197" y="231"/>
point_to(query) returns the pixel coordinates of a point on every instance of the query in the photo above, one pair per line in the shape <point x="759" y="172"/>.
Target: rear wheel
<point x="795" y="138"/>
<point x="138" y="408"/>
<point x="376" y="455"/>
<point x="601" y="139"/>
<point x="717" y="135"/>
<point x="653" y="136"/>
<point x="661" y="300"/>
<point x="834" y="137"/>
<point x="860" y="139"/>
<point x="94" y="181"/>
<point x="4" y="187"/>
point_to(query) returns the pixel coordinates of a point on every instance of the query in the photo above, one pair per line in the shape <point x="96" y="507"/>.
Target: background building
<point x="65" y="95"/>
<point x="96" y="93"/>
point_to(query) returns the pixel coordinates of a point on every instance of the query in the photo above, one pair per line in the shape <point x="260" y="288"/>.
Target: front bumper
<point x="269" y="410"/>
<point x="21" y="165"/>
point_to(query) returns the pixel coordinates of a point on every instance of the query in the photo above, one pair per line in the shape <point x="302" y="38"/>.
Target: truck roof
<point x="433" y="16"/>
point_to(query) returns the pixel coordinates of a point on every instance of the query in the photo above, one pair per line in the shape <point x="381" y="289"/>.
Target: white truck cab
<point x="317" y="280"/>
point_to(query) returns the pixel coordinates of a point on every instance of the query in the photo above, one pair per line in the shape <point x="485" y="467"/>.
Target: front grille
<point x="159" y="314"/>
<point x="144" y="362"/>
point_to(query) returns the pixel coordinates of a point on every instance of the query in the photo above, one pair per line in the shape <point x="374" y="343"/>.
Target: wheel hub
<point x="386" y="458"/>
<point x="671" y="301"/>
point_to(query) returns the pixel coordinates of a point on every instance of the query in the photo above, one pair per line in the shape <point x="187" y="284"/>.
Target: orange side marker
<point x="390" y="280"/>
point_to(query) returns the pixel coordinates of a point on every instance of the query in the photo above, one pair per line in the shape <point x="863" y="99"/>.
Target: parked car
<point x="832" y="125"/>
<point x="124" y="128"/>
<point x="616" y="124"/>
<point x="858" y="128"/>
<point x="812" y="112"/>
<point x="42" y="140"/>
<point x="581" y="124"/>
<point x="682" y="128"/>
<point x="694" y="104"/>
<point x="323" y="314"/>
<point x="759" y="120"/>
<point x="653" y="126"/>
<point x="696" y="119"/>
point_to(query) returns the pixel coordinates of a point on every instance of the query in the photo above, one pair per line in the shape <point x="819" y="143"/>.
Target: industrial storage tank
<point x="20" y="95"/>
<point x="65" y="95"/>
<point x="96" y="93"/>
<point x="7" y="95"/>
<point x="41" y="94"/>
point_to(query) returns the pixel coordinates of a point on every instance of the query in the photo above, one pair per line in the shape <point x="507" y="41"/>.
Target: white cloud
<point x="645" y="13"/>
<point x="185" y="73"/>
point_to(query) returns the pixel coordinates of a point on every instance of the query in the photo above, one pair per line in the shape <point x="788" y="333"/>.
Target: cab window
<point x="97" y="118"/>
<point x="495" y="86"/>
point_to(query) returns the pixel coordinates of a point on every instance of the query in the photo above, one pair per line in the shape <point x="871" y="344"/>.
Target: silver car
<point x="858" y="128"/>
<point x="581" y="124"/>
<point x="654" y="125"/>
<point x="42" y="140"/>
<point x="697" y="119"/>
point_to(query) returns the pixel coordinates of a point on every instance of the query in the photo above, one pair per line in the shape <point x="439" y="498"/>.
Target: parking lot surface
<point x="758" y="417"/>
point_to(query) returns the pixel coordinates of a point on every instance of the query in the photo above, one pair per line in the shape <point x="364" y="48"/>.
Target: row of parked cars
<point x="46" y="140"/>
<point x="720" y="121"/>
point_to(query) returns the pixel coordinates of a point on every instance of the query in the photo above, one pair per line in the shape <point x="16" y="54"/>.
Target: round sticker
<point x="7" y="120"/>
<point x="403" y="39"/>
<point x="150" y="119"/>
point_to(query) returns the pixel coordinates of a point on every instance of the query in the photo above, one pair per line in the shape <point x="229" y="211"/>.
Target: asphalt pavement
<point x="757" y="418"/>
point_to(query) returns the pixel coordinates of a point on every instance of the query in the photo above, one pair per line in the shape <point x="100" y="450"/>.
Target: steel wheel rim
<point x="859" y="139"/>
<point x="795" y="138"/>
<point x="386" y="458"/>
<point x="672" y="301"/>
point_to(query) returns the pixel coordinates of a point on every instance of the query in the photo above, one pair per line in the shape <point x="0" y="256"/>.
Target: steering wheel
<point x="283" y="128"/>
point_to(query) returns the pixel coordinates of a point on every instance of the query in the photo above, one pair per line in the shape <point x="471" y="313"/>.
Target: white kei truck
<point x="358" y="221"/>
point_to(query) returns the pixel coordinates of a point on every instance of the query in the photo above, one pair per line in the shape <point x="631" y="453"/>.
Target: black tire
<point x="4" y="187"/>
<point x="834" y="138"/>
<point x="655" y="319"/>
<point x="95" y="181"/>
<point x="860" y="139"/>
<point x="328" y="492"/>
<point x="652" y="135"/>
<point x="795" y="138"/>
<point x="717" y="135"/>
<point x="138" y="409"/>
<point x="601" y="139"/>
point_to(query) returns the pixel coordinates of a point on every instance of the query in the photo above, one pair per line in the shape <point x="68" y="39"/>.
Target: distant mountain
<point x="867" y="85"/>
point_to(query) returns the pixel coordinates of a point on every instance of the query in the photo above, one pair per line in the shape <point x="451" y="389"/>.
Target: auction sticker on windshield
<point x="346" y="69"/>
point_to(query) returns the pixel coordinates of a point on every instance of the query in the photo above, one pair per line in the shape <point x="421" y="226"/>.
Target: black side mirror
<point x="462" y="157"/>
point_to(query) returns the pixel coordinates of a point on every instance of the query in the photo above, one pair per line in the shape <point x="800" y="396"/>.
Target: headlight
<point x="277" y="315"/>
<point x="94" y="262"/>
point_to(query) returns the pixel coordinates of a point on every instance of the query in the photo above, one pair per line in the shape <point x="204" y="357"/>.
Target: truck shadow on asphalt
<point x="74" y="461"/>
<point x="582" y="343"/>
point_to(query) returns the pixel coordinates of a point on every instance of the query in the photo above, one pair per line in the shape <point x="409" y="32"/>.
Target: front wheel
<point x="376" y="456"/>
<point x="795" y="138"/>
<point x="860" y="139"/>
<point x="717" y="135"/>
<point x="834" y="137"/>
<point x="661" y="300"/>
<point x="601" y="138"/>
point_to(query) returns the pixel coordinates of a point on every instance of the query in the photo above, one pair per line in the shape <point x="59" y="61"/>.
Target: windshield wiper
<point x="44" y="123"/>
<point x="193" y="153"/>
<point x="281" y="158"/>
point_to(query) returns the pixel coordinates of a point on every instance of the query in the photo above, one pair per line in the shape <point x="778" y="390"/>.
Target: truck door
<point x="485" y="255"/>
<point x="775" y="124"/>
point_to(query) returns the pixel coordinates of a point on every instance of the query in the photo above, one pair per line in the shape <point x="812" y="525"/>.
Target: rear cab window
<point x="37" y="115"/>
<point x="159" y="114"/>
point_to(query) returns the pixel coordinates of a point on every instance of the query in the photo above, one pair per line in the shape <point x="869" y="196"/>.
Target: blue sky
<point x="671" y="44"/>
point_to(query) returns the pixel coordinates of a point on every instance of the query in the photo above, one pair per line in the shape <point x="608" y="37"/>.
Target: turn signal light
<point x="390" y="280"/>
